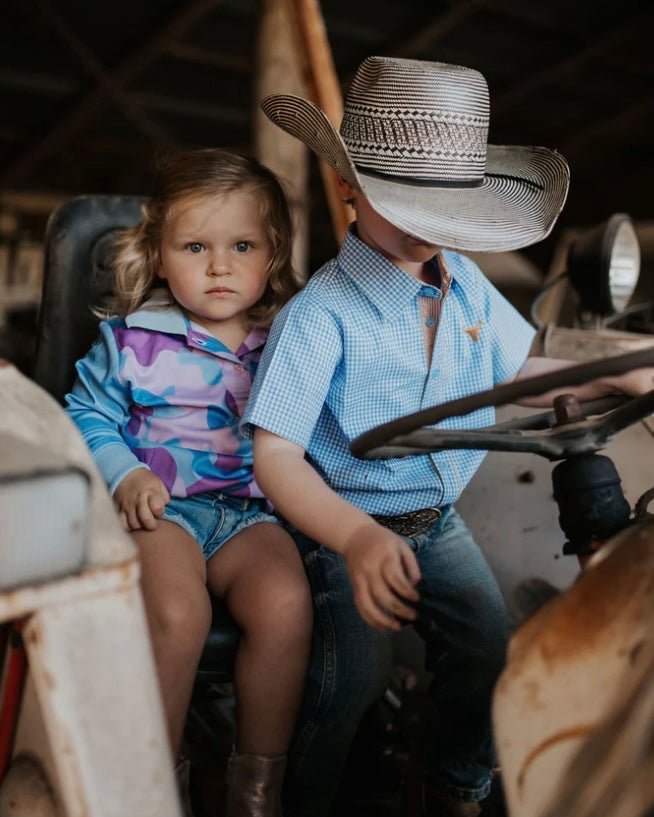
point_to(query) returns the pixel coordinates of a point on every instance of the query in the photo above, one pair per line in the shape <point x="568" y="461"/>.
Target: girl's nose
<point x="218" y="264"/>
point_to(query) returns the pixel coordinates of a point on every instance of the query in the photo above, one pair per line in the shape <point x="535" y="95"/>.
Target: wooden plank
<point x="280" y="69"/>
<point x="326" y="92"/>
<point x="72" y="122"/>
<point x="146" y="123"/>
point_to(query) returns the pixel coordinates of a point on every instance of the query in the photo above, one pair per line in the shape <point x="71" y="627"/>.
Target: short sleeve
<point x="513" y="337"/>
<point x="294" y="375"/>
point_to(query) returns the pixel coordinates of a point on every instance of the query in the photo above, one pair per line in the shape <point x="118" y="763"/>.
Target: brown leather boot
<point x="254" y="785"/>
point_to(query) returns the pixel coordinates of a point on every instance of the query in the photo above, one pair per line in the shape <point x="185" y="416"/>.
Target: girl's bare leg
<point x="260" y="575"/>
<point x="173" y="580"/>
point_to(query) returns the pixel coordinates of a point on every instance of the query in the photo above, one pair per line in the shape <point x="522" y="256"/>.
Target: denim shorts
<point x="213" y="517"/>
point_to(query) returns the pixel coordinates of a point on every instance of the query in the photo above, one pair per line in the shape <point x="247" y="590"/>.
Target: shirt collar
<point x="386" y="285"/>
<point x="158" y="314"/>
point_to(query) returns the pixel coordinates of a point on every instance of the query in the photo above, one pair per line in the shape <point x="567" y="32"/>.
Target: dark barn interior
<point x="92" y="92"/>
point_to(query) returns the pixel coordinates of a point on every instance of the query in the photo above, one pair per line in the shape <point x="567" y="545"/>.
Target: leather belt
<point x="412" y="523"/>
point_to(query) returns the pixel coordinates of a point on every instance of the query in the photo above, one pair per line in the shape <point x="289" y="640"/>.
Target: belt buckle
<point x="412" y="523"/>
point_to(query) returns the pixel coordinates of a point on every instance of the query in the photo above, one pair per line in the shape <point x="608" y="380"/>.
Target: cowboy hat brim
<point x="517" y="204"/>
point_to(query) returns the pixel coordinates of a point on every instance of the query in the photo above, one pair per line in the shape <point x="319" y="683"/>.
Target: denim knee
<point x="351" y="662"/>
<point x="463" y="620"/>
<point x="349" y="670"/>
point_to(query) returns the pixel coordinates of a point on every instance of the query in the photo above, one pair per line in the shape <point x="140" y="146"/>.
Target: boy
<point x="394" y="324"/>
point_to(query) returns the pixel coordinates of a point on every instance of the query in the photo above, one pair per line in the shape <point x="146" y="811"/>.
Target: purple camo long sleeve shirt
<point x="156" y="390"/>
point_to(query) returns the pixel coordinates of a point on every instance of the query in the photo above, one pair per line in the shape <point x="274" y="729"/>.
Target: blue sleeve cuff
<point x="115" y="462"/>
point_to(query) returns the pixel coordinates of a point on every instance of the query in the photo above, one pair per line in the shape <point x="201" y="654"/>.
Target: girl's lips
<point x="218" y="291"/>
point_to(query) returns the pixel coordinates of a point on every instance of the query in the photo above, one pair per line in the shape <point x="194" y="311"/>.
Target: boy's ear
<point x="345" y="189"/>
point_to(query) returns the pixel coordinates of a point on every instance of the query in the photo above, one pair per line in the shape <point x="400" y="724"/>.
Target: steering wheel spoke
<point x="579" y="439"/>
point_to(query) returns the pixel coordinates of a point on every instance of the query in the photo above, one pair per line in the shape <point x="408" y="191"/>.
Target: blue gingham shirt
<point x="347" y="353"/>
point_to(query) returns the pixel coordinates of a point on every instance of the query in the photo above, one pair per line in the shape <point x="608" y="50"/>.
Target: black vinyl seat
<point x="78" y="244"/>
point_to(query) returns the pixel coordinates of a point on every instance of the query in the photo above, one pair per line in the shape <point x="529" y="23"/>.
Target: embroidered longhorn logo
<point x="473" y="331"/>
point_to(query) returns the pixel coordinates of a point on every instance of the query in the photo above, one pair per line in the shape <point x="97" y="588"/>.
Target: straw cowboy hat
<point x="414" y="141"/>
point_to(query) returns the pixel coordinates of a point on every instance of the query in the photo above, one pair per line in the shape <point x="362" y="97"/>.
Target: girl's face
<point x="215" y="256"/>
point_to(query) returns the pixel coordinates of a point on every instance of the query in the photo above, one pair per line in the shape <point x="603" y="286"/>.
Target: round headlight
<point x="604" y="265"/>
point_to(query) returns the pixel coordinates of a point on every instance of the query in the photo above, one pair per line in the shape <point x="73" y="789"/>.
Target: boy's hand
<point x="140" y="498"/>
<point x="383" y="571"/>
<point x="635" y="382"/>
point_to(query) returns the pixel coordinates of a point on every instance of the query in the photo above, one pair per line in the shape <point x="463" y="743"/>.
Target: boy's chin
<point x="417" y="242"/>
<point x="420" y="251"/>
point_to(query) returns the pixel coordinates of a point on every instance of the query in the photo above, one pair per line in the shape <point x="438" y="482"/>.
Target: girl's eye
<point x="242" y="246"/>
<point x="195" y="247"/>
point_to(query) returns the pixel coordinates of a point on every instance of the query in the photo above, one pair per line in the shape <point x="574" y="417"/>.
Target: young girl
<point x="158" y="400"/>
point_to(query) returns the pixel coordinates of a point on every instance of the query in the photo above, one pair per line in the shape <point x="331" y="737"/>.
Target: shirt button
<point x="430" y="321"/>
<point x="239" y="369"/>
<point x="430" y="292"/>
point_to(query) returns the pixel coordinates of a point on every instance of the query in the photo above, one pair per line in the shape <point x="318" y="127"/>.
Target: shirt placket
<point x="430" y="309"/>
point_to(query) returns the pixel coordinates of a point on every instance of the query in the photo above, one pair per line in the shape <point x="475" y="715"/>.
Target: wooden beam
<point x="147" y="124"/>
<point x="186" y="14"/>
<point x="599" y="47"/>
<point x="608" y="125"/>
<point x="280" y="69"/>
<point x="427" y="35"/>
<point x="57" y="87"/>
<point x="20" y="201"/>
<point x="326" y="92"/>
<point x="206" y="56"/>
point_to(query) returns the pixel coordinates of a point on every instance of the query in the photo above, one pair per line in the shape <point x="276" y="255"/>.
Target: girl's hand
<point x="383" y="571"/>
<point x="140" y="498"/>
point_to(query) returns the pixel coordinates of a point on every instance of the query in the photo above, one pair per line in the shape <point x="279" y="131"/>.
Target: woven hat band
<point x="416" y="145"/>
<point x="410" y="181"/>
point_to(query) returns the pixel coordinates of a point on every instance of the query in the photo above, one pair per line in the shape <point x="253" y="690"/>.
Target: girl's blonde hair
<point x="182" y="180"/>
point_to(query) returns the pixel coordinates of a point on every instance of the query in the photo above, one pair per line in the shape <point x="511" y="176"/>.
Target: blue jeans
<point x="463" y="621"/>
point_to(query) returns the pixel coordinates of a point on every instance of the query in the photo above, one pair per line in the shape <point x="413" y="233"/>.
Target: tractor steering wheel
<point x="536" y="434"/>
